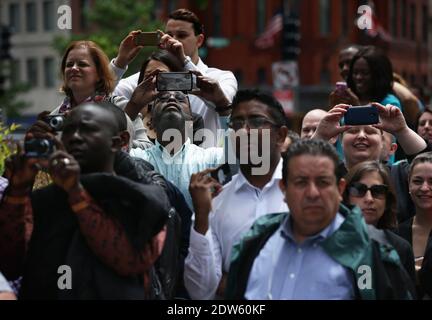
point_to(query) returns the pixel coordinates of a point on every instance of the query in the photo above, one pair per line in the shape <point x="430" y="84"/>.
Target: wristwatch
<point x="187" y="60"/>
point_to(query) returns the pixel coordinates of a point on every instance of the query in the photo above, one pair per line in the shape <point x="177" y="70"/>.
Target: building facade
<point x="34" y="26"/>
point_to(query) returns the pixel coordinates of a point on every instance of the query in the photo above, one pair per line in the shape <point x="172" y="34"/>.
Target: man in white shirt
<point x="219" y="223"/>
<point x="184" y="36"/>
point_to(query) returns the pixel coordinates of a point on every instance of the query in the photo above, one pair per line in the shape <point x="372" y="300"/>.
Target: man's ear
<point x="200" y="40"/>
<point x="341" y="186"/>
<point x="393" y="148"/>
<point x="117" y="143"/>
<point x="282" y="133"/>
<point x="125" y="137"/>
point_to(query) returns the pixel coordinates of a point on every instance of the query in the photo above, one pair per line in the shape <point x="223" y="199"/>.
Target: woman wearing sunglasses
<point x="368" y="186"/>
<point x="418" y="230"/>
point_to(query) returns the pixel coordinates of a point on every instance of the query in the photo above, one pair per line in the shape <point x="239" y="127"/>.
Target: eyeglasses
<point x="179" y="96"/>
<point x="252" y="123"/>
<point x="359" y="190"/>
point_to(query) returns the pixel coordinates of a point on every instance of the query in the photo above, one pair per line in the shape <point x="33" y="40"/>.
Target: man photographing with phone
<point x="183" y="36"/>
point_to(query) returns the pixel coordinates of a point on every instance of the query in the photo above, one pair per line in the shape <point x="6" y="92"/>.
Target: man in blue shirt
<point x="320" y="249"/>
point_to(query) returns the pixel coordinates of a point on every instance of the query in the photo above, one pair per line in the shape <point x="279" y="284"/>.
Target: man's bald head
<point x="310" y="122"/>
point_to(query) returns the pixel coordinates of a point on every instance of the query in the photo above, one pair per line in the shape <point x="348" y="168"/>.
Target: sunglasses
<point x="359" y="190"/>
<point x="179" y="96"/>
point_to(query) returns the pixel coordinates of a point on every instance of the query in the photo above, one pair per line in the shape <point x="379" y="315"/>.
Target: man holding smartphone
<point x="184" y="36"/>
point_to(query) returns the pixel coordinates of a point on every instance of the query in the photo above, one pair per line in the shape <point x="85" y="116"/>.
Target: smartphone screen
<point x="361" y="115"/>
<point x="147" y="39"/>
<point x="174" y="81"/>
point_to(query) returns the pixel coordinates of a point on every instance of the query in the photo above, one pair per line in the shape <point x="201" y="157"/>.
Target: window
<point x="425" y="23"/>
<point x="412" y="21"/>
<point x="217" y="18"/>
<point x="262" y="76"/>
<point x="261" y="16"/>
<point x="404" y="19"/>
<point x="172" y="5"/>
<point x="394" y="18"/>
<point x="15" y="75"/>
<point x="48" y="15"/>
<point x="344" y="17"/>
<point x="325" y="17"/>
<point x="49" y="79"/>
<point x="31" y="22"/>
<point x="32" y="72"/>
<point x="85" y="6"/>
<point x="239" y="76"/>
<point x="14" y="17"/>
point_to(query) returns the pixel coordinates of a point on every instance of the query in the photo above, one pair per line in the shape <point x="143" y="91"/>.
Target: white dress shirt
<point x="234" y="211"/>
<point x="204" y="108"/>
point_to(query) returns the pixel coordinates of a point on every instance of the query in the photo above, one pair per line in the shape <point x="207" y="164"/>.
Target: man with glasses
<point x="174" y="155"/>
<point x="253" y="192"/>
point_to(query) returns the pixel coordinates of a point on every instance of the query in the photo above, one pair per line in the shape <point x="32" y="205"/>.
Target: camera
<point x="222" y="174"/>
<point x="147" y="39"/>
<point x="55" y="122"/>
<point x="361" y="115"/>
<point x="175" y="81"/>
<point x="38" y="148"/>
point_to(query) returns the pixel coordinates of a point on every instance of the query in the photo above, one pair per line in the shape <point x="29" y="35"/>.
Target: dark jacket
<point x="354" y="244"/>
<point x="170" y="265"/>
<point x="56" y="240"/>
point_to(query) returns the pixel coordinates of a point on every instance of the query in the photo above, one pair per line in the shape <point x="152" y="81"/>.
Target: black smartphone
<point x="174" y="81"/>
<point x="38" y="148"/>
<point x="222" y="174"/>
<point x="361" y="115"/>
<point x="147" y="39"/>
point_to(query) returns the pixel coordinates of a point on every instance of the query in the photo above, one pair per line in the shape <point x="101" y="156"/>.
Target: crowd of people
<point x="207" y="194"/>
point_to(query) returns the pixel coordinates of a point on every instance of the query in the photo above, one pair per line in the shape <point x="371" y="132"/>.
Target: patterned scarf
<point x="67" y="103"/>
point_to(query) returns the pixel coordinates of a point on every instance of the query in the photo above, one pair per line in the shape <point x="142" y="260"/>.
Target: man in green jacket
<point x="320" y="249"/>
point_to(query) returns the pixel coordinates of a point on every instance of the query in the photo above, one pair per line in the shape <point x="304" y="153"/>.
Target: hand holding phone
<point x="361" y="115"/>
<point x="174" y="81"/>
<point x="222" y="174"/>
<point x="341" y="86"/>
<point x="147" y="39"/>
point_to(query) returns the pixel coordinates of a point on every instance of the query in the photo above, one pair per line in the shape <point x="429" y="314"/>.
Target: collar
<point x="243" y="182"/>
<point x="202" y="66"/>
<point x="287" y="232"/>
<point x="165" y="153"/>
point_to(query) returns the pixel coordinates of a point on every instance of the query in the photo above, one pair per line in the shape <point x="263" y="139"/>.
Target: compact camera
<point x="55" y="122"/>
<point x="147" y="39"/>
<point x="361" y="115"/>
<point x="38" y="148"/>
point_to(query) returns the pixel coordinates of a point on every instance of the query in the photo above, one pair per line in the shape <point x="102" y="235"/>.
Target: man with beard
<point x="219" y="222"/>
<point x="174" y="156"/>
<point x="101" y="231"/>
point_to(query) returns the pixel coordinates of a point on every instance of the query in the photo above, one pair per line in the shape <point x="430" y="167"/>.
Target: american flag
<point x="267" y="38"/>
